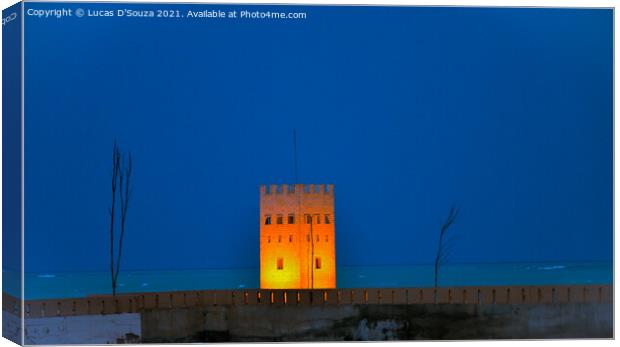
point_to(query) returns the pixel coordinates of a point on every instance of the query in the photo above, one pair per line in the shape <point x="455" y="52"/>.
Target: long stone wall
<point x="306" y="315"/>
<point x="136" y="302"/>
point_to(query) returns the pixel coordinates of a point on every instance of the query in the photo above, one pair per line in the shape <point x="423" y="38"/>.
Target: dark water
<point x="77" y="284"/>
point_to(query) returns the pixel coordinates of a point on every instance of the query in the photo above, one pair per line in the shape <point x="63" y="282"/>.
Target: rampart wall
<point x="132" y="303"/>
<point x="522" y="312"/>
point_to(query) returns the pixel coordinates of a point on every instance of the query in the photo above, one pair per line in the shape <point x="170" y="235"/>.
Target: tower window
<point x="279" y="219"/>
<point x="308" y="219"/>
<point x="317" y="238"/>
<point x="318" y="219"/>
<point x="279" y="238"/>
<point x="326" y="238"/>
<point x="291" y="219"/>
<point x="317" y="262"/>
<point x="280" y="264"/>
<point x="290" y="238"/>
<point x="308" y="237"/>
<point x="267" y="220"/>
<point x="268" y="239"/>
<point x="327" y="221"/>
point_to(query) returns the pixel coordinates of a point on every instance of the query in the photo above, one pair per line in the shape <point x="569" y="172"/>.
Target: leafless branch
<point x="116" y="160"/>
<point x="125" y="180"/>
<point x="444" y="249"/>
<point x="121" y="174"/>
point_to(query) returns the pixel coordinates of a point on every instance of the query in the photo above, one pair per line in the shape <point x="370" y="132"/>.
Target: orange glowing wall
<point x="288" y="239"/>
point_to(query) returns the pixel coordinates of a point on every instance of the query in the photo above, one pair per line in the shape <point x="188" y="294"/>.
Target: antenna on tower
<point x="300" y="214"/>
<point x="295" y="154"/>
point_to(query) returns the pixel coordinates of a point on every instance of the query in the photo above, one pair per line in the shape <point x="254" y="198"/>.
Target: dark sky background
<point x="505" y="112"/>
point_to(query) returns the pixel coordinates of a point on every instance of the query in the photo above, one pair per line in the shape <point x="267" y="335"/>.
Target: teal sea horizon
<point x="81" y="284"/>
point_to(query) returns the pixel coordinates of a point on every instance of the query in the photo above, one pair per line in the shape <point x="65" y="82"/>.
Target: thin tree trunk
<point x="442" y="247"/>
<point x="124" y="200"/>
<point x="119" y="176"/>
<point x="436" y="263"/>
<point x="115" y="172"/>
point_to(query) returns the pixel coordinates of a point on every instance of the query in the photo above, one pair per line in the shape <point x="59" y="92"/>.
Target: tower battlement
<point x="271" y="189"/>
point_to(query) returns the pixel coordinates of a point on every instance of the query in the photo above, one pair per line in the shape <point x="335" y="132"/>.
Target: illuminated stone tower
<point x="297" y="236"/>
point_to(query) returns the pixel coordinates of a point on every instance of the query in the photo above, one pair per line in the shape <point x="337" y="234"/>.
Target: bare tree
<point x="445" y="246"/>
<point x="121" y="178"/>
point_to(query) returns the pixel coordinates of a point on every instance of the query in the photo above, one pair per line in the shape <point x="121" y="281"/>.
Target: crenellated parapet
<point x="304" y="189"/>
<point x="297" y="198"/>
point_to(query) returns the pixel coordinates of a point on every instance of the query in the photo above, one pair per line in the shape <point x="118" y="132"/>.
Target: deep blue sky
<point x="505" y="112"/>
